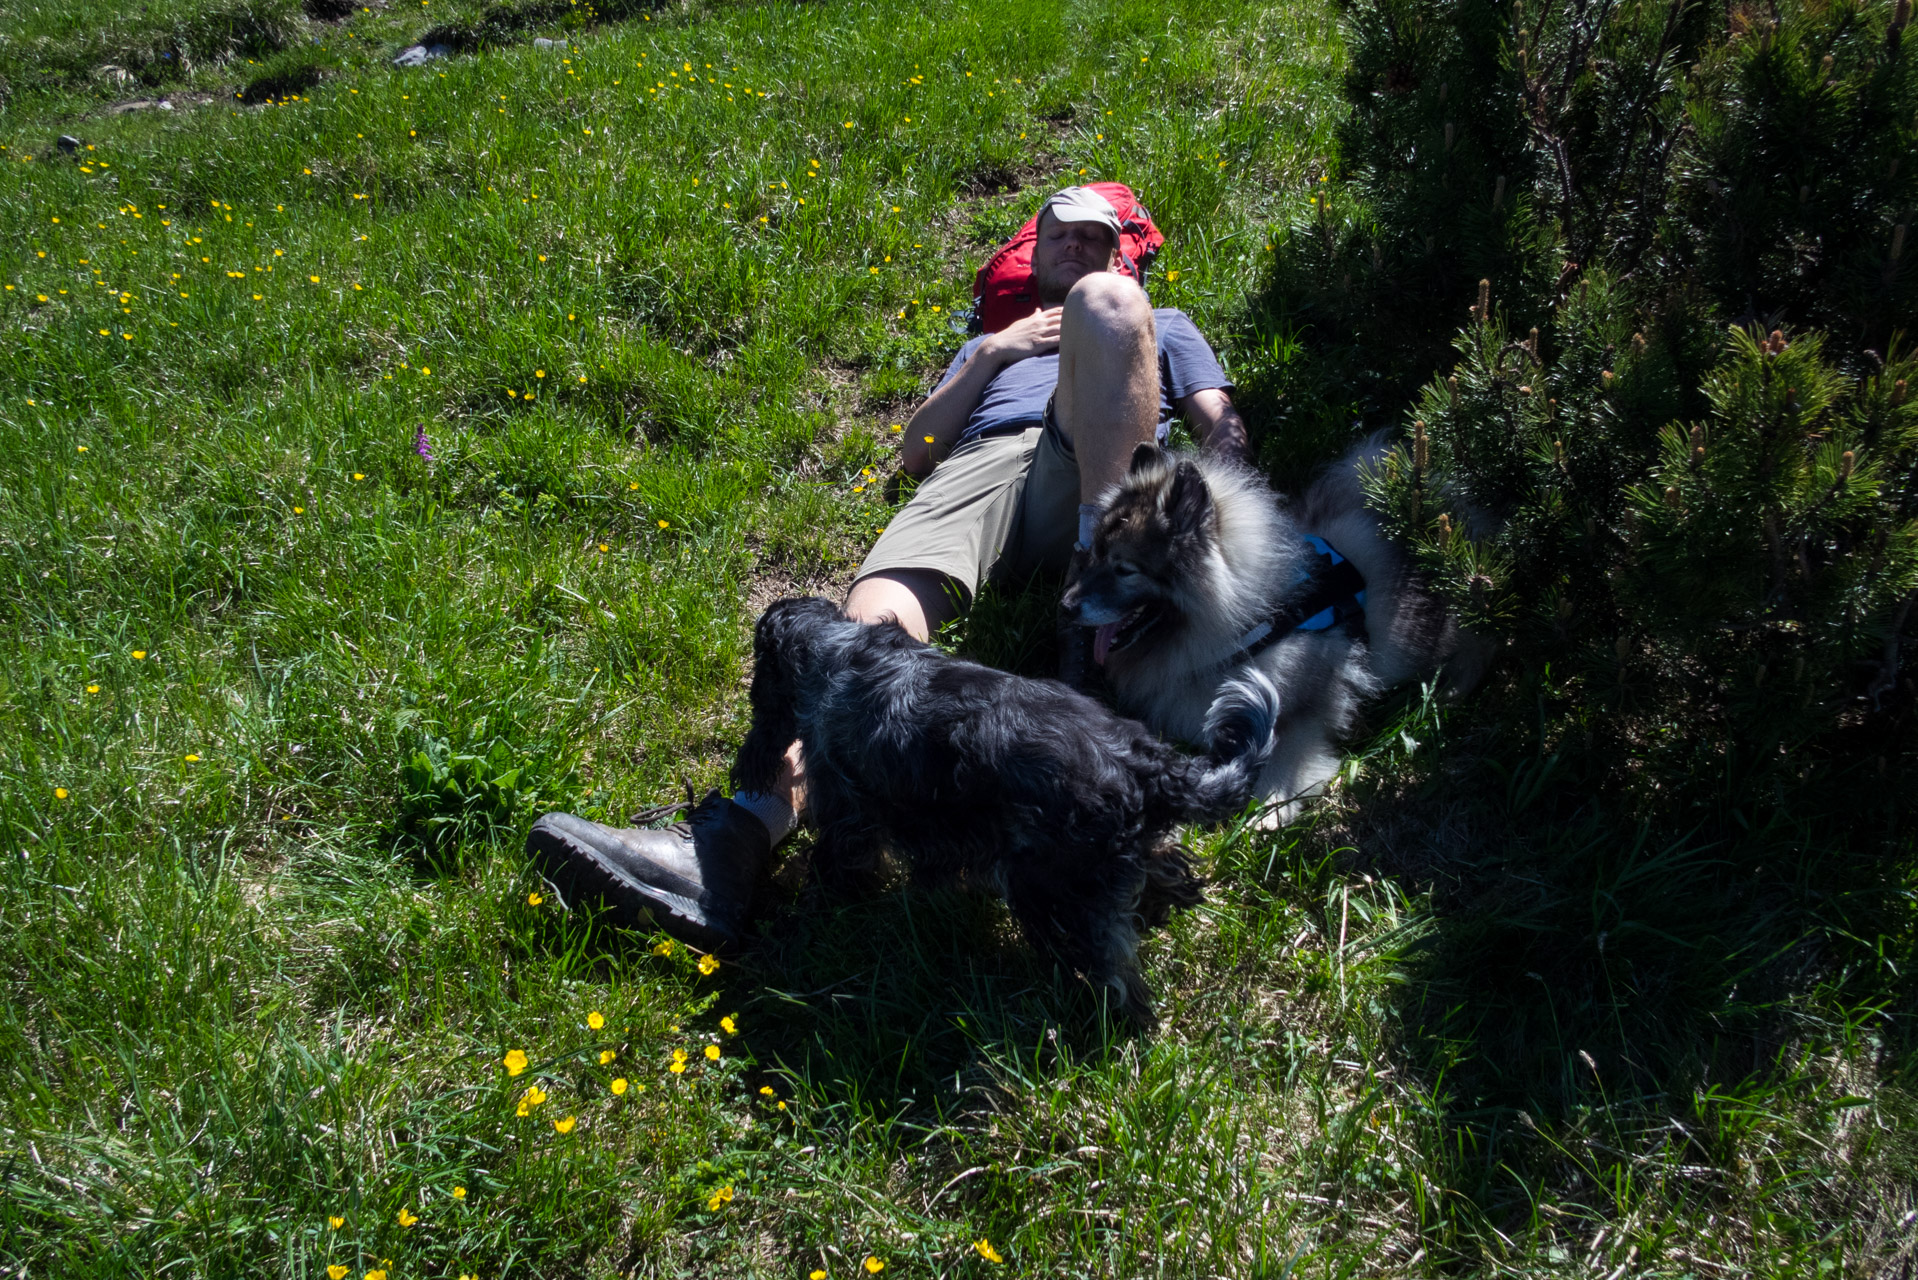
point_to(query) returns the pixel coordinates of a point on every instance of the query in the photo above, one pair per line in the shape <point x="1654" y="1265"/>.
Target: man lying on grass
<point x="1014" y="446"/>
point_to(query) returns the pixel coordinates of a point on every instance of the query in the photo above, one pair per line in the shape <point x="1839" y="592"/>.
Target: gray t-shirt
<point x="1016" y="398"/>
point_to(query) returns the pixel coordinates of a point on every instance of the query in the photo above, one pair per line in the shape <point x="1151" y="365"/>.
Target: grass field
<point x="387" y="456"/>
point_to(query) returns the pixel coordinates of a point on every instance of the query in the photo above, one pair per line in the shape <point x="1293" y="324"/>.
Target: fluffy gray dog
<point x="1199" y="575"/>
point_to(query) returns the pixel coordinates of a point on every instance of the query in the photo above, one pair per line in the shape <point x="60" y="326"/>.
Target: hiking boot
<point x="693" y="879"/>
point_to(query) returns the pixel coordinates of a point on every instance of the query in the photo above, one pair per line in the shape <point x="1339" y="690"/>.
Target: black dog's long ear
<point x="1148" y="462"/>
<point x="775" y="720"/>
<point x="1188" y="503"/>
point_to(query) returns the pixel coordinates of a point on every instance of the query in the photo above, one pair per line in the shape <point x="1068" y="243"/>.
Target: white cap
<point x="1082" y="204"/>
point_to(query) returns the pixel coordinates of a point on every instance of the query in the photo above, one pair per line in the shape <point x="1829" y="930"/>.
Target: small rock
<point x="165" y="105"/>
<point x="67" y="143"/>
<point x="421" y="54"/>
<point x="541" y="42"/>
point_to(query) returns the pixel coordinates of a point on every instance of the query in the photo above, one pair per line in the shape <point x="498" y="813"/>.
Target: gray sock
<point x="1088" y="521"/>
<point x="771" y="810"/>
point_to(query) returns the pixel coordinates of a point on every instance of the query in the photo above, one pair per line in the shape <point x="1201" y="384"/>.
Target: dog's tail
<point x="1240" y="730"/>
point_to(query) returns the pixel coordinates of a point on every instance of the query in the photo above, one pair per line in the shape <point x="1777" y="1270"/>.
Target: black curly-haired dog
<point x="971" y="774"/>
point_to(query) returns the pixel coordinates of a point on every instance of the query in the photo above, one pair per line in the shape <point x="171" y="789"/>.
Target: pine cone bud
<point x="1776" y="346"/>
<point x="1898" y="392"/>
<point x="1558" y="453"/>
<point x="1421" y="453"/>
<point x="1698" y="445"/>
<point x="1484" y="300"/>
<point x="1638" y="346"/>
<point x="1451" y="384"/>
<point x="1672" y="499"/>
<point x="1531" y="344"/>
<point x="1824" y="65"/>
<point x="1605" y="380"/>
<point x="1845" y="465"/>
<point x="1791" y="398"/>
<point x="1444" y="530"/>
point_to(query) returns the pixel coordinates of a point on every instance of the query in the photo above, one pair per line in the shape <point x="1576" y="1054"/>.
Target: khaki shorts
<point x="1002" y="507"/>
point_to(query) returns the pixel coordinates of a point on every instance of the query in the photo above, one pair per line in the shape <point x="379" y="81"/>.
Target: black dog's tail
<point x="1239" y="731"/>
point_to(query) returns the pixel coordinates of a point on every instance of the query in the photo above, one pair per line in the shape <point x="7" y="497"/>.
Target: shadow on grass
<point x="1619" y="1020"/>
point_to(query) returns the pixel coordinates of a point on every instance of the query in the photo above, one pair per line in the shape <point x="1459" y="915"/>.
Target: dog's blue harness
<point x="1333" y="595"/>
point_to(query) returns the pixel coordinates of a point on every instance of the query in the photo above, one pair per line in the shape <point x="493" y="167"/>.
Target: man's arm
<point x="1218" y="425"/>
<point x="945" y="413"/>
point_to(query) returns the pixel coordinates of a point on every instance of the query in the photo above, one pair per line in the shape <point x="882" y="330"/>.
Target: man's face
<point x="1067" y="252"/>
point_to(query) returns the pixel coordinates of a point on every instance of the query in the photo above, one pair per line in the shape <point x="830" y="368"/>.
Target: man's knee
<point x="1109" y="304"/>
<point x="917" y="599"/>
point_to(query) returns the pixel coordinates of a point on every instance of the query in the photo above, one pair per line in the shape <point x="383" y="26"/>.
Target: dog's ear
<point x="1148" y="463"/>
<point x="1188" y="502"/>
<point x="775" y="720"/>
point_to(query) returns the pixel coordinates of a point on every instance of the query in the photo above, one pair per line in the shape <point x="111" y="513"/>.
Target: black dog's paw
<point x="1170" y="885"/>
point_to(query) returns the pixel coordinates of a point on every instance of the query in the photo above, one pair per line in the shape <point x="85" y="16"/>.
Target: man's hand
<point x="1036" y="335"/>
<point x="938" y="422"/>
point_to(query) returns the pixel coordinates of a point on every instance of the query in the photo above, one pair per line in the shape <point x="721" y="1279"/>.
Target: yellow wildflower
<point x="515" y="1061"/>
<point x="665" y="948"/>
<point x="336" y="1272"/>
<point x="708" y="963"/>
<point x="534" y="899"/>
<point x="459" y="1193"/>
<point x="619" y="1086"/>
<point x="192" y="757"/>
<point x="766" y="1089"/>
<point x="93" y="688"/>
<point x="566" y="1125"/>
<point x="59" y="793"/>
<point x="727" y="1025"/>
<point x="596" y="1019"/>
<point x="722" y="1196"/>
<point x="335" y="1222"/>
<point x="984" y="1249"/>
<point x="606" y="1056"/>
<point x="408" y="1219"/>
<point x="874" y="1265"/>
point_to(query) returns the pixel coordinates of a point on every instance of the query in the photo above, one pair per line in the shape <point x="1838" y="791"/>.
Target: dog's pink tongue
<point x="1102" y="642"/>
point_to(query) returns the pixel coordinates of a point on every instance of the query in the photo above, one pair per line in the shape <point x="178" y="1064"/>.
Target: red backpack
<point x="1002" y="291"/>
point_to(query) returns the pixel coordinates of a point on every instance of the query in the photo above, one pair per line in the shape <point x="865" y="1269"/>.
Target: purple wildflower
<point x="423" y="446"/>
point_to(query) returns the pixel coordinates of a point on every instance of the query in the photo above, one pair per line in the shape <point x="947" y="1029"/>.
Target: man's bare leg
<point x="1108" y="397"/>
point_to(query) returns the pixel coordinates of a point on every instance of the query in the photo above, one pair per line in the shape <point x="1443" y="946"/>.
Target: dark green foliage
<point x="1632" y="183"/>
<point x="1803" y="174"/>
<point x="1725" y="588"/>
